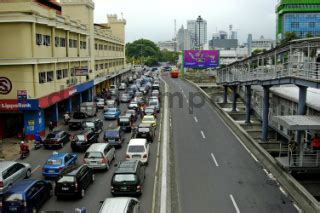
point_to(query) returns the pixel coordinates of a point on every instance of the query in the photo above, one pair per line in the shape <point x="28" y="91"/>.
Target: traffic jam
<point x="108" y="139"/>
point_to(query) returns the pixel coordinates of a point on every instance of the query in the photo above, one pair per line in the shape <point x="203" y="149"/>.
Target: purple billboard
<point x="201" y="58"/>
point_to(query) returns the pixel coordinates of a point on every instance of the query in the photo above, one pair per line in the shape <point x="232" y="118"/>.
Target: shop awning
<point x="298" y="122"/>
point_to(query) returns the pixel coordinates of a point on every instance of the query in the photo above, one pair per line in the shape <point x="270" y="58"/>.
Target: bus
<point x="174" y="73"/>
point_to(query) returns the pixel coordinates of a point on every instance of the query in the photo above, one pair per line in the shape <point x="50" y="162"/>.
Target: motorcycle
<point x="37" y="144"/>
<point x="24" y="154"/>
<point x="67" y="118"/>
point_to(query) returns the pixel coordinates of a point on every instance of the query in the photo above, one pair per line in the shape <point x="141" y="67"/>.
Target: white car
<point x="138" y="148"/>
<point x="100" y="103"/>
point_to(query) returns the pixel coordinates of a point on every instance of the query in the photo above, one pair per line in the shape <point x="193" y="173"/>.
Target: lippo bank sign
<point x="14" y="105"/>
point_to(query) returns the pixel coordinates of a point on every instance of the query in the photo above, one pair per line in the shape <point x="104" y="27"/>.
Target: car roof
<point x="5" y="164"/>
<point x="56" y="132"/>
<point x="148" y="116"/>
<point x="57" y="155"/>
<point x="137" y="141"/>
<point x="144" y="125"/>
<point x="129" y="166"/>
<point x="22" y="186"/>
<point x="97" y="147"/>
<point x="115" y="205"/>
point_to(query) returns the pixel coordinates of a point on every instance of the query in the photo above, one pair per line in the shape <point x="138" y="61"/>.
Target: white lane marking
<point x="35" y="169"/>
<point x="203" y="136"/>
<point x="234" y="204"/>
<point x="214" y="160"/>
<point x="283" y="192"/>
<point x="184" y="96"/>
<point x="195" y="119"/>
<point x="297" y="208"/>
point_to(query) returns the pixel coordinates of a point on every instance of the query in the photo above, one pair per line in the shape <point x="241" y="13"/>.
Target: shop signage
<point x="5" y="86"/>
<point x="81" y="71"/>
<point x="13" y="105"/>
<point x="22" y="96"/>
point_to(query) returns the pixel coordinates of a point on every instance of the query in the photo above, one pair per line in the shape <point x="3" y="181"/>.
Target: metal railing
<point x="305" y="160"/>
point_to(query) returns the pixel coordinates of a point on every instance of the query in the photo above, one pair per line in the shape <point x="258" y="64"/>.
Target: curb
<point x="295" y="190"/>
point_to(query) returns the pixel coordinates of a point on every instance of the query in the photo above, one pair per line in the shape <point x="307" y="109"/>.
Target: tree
<point x="258" y="51"/>
<point x="288" y="36"/>
<point x="309" y="35"/>
<point x="141" y="49"/>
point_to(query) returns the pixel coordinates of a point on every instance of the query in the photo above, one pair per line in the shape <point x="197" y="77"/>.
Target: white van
<point x="99" y="156"/>
<point x="120" y="205"/>
<point x="138" y="148"/>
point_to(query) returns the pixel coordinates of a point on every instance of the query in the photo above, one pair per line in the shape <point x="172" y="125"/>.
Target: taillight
<point x="76" y="185"/>
<point x="1" y="183"/>
<point x="138" y="188"/>
<point x="145" y="156"/>
<point x="0" y="204"/>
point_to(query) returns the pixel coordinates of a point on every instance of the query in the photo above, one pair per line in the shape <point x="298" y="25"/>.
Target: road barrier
<point x="296" y="191"/>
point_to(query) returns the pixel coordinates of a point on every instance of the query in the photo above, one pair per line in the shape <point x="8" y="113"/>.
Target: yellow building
<point x="52" y="58"/>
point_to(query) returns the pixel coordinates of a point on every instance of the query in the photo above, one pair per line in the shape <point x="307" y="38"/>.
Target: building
<point x="52" y="58"/>
<point x="299" y="16"/>
<point x="183" y="39"/>
<point x="198" y="32"/>
<point x="223" y="43"/>
<point x="168" y="45"/>
<point x="262" y="44"/>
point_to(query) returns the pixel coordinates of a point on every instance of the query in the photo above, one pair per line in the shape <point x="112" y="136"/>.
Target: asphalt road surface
<point x="100" y="189"/>
<point x="214" y="172"/>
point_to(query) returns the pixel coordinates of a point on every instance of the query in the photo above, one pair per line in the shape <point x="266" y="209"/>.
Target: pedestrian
<point x="292" y="149"/>
<point x="317" y="66"/>
<point x="51" y="126"/>
<point x="315" y="142"/>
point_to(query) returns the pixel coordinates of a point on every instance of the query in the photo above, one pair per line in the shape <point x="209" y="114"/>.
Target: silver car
<point x="120" y="205"/>
<point x="11" y="172"/>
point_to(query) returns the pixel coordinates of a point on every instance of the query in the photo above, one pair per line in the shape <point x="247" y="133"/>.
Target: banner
<point x="201" y="58"/>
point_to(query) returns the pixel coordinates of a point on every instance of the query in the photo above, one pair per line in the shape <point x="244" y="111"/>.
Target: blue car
<point x="27" y="196"/>
<point x="58" y="163"/>
<point x="112" y="114"/>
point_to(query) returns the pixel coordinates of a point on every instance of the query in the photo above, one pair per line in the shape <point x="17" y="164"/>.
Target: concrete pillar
<point x="225" y="94"/>
<point x="265" y="114"/>
<point x="54" y="113"/>
<point x="301" y="111"/>
<point x="234" y="99"/>
<point x="68" y="104"/>
<point x="79" y="100"/>
<point x="248" y="104"/>
<point x="89" y="93"/>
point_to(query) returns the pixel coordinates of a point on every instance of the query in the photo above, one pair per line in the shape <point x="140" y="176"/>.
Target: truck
<point x="89" y="108"/>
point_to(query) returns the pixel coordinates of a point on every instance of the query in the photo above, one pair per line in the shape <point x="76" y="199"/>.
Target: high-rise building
<point x="198" y="32"/>
<point x="183" y="39"/>
<point x="299" y="16"/>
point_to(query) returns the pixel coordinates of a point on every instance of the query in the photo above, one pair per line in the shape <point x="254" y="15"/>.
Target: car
<point x="131" y="92"/>
<point x="150" y="110"/>
<point x="112" y="114"/>
<point x="143" y="89"/>
<point x="83" y="140"/>
<point x="146" y="131"/>
<point x="11" y="172"/>
<point x="27" y="196"/>
<point x="128" y="178"/>
<point x="133" y="113"/>
<point x="125" y="123"/>
<point x="110" y="103"/>
<point x="120" y="205"/>
<point x="58" y="163"/>
<point x="95" y="124"/>
<point x="75" y="124"/>
<point x="149" y="119"/>
<point x="56" y="139"/>
<point x="139" y="94"/>
<point x="130" y="79"/>
<point x="133" y="105"/>
<point x="100" y="103"/>
<point x="75" y="182"/>
<point x="138" y="148"/>
<point x="79" y="115"/>
<point x="125" y="98"/>
<point x="155" y="93"/>
<point x="123" y="86"/>
<point x="114" y="137"/>
<point x="154" y="102"/>
<point x="99" y="156"/>
<point x="156" y="86"/>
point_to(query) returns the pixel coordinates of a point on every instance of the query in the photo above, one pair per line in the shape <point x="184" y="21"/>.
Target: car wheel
<point x="28" y="174"/>
<point x="82" y="193"/>
<point x="92" y="178"/>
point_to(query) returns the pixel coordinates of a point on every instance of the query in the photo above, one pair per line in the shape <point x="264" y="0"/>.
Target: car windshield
<point x="14" y="197"/>
<point x="52" y="136"/>
<point x="149" y="111"/>
<point x="112" y="110"/>
<point x="93" y="155"/>
<point x="143" y="130"/>
<point x="54" y="162"/>
<point x="80" y="137"/>
<point x="89" y="124"/>
<point x="148" y="119"/>
<point x="78" y="115"/>
<point x="118" y="178"/>
<point x="136" y="148"/>
<point x="66" y="179"/>
<point x="112" y="134"/>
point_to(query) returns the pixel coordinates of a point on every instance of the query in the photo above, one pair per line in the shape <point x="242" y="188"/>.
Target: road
<point x="214" y="172"/>
<point x="100" y="189"/>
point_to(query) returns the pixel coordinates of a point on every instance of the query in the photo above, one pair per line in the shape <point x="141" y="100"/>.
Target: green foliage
<point x="147" y="52"/>
<point x="309" y="35"/>
<point x="288" y="36"/>
<point x="258" y="51"/>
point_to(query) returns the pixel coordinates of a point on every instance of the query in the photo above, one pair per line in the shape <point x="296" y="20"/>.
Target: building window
<point x="39" y="39"/>
<point x="49" y="76"/>
<point x="65" y="73"/>
<point x="105" y="47"/>
<point x="72" y="71"/>
<point x="57" y="41"/>
<point x="46" y="40"/>
<point x="295" y="24"/>
<point x="42" y="77"/>
<point x="106" y="65"/>
<point x="73" y="43"/>
<point x="100" y="47"/>
<point x="96" y="67"/>
<point x="83" y="45"/>
<point x="101" y="66"/>
<point x="96" y="46"/>
<point x="59" y="74"/>
<point x="62" y="42"/>
<point x="312" y="24"/>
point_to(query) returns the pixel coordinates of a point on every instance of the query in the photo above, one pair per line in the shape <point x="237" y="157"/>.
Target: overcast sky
<point x="154" y="19"/>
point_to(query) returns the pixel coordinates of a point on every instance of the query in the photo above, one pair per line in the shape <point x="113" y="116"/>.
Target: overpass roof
<point x="298" y="122"/>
